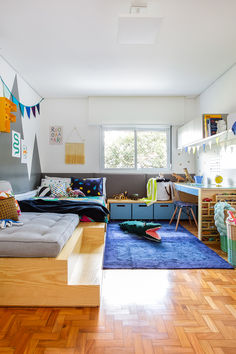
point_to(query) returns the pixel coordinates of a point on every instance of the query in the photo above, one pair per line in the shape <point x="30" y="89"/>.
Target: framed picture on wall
<point x="55" y="135"/>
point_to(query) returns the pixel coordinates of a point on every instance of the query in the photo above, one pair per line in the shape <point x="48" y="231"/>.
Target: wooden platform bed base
<point x="71" y="279"/>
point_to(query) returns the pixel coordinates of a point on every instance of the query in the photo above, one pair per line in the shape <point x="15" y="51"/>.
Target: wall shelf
<point x="225" y="136"/>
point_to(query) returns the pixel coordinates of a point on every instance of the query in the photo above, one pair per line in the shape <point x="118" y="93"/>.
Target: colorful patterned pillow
<point x="58" y="190"/>
<point x="8" y="194"/>
<point x="8" y="209"/>
<point x="89" y="186"/>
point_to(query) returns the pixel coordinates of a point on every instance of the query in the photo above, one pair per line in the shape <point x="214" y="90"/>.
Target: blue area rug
<point x="178" y="250"/>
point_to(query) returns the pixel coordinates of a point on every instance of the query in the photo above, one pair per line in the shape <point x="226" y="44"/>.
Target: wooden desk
<point x="196" y="193"/>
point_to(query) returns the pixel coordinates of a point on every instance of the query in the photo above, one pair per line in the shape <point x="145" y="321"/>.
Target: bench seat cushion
<point x="42" y="235"/>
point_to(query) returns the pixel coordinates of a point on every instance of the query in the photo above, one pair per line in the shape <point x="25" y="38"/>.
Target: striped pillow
<point x="44" y="191"/>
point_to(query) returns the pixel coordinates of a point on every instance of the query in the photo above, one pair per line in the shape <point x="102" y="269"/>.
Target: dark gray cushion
<point x="42" y="235"/>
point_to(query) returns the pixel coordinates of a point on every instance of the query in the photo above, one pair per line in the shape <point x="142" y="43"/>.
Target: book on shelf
<point x="210" y="124"/>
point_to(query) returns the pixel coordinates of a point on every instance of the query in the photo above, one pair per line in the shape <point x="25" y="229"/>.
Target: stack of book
<point x="210" y="124"/>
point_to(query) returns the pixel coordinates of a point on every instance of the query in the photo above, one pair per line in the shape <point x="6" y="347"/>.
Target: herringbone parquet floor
<point x="142" y="311"/>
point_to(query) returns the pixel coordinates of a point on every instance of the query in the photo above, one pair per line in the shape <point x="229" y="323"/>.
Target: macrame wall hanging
<point x="74" y="148"/>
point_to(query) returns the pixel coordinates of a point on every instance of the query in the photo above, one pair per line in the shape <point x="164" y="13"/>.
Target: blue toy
<point x="9" y="223"/>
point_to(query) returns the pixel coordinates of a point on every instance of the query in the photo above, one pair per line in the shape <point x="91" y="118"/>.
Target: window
<point x="136" y="148"/>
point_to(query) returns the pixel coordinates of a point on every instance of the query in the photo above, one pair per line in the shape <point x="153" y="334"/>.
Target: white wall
<point x="138" y="110"/>
<point x="219" y="98"/>
<point x="78" y="112"/>
<point x="68" y="113"/>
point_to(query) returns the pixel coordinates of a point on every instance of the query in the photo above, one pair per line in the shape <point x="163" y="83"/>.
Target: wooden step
<point x="73" y="278"/>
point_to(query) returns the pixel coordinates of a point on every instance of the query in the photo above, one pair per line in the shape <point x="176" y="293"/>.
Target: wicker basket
<point x="231" y="234"/>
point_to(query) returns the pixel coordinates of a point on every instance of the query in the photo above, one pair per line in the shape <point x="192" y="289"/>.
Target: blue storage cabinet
<point x="163" y="211"/>
<point x="140" y="211"/>
<point x="120" y="211"/>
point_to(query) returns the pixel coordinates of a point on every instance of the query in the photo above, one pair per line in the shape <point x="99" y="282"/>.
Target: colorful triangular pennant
<point x="28" y="111"/>
<point x="33" y="111"/>
<point x="22" y="109"/>
<point x="14" y="100"/>
<point x="38" y="108"/>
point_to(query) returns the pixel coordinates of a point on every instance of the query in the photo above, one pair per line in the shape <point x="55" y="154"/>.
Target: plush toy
<point x="140" y="228"/>
<point x="231" y="218"/>
<point x="74" y="193"/>
<point x="9" y="223"/>
<point x="178" y="178"/>
<point x="219" y="218"/>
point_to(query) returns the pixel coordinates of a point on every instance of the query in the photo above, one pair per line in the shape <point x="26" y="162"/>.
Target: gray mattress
<point x="42" y="235"/>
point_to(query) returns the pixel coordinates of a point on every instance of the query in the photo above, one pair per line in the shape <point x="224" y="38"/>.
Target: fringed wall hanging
<point x="74" y="151"/>
<point x="29" y="109"/>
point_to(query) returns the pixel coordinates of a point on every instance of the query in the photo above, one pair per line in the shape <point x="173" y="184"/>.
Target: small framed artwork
<point x="24" y="152"/>
<point x="55" y="135"/>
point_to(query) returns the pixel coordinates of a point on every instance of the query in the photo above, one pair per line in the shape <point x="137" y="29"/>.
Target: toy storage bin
<point x="231" y="234"/>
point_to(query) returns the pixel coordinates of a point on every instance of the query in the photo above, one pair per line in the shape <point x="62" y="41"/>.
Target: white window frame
<point x="136" y="128"/>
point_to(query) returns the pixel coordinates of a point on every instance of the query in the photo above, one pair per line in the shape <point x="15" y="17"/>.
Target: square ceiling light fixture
<point x="138" y="29"/>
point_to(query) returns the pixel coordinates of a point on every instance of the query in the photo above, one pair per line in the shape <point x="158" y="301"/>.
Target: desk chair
<point x="181" y="205"/>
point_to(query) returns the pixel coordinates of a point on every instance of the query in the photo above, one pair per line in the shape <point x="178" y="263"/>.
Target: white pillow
<point x="53" y="180"/>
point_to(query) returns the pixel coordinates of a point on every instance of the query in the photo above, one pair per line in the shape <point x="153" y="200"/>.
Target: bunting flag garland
<point x="8" y="94"/>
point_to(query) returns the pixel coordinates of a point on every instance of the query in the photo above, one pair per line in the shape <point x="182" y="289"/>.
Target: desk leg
<point x="200" y="214"/>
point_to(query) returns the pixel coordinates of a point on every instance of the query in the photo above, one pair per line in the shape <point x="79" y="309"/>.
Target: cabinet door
<point x="142" y="211"/>
<point x="120" y="211"/>
<point x="163" y="211"/>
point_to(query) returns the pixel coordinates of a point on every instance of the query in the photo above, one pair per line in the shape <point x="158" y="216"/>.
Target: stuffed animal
<point x="75" y="193"/>
<point x="140" y="228"/>
<point x="178" y="178"/>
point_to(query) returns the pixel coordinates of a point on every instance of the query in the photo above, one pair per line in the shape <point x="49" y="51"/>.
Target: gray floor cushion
<point x="42" y="235"/>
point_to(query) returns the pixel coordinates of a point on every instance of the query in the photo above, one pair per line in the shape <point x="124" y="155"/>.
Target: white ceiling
<point x="70" y="48"/>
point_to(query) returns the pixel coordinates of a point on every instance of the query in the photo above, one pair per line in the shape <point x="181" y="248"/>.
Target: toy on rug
<point x="75" y="193"/>
<point x="140" y="228"/>
<point x="219" y="217"/>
